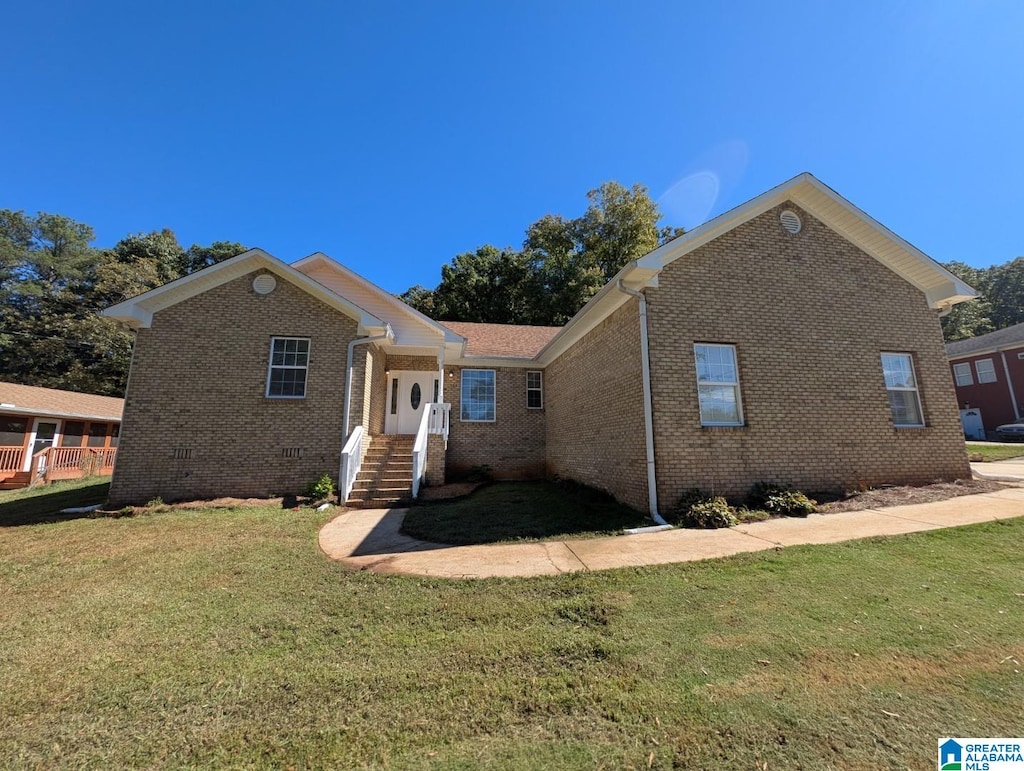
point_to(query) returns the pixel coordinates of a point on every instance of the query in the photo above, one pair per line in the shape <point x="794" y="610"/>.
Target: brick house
<point x="988" y="374"/>
<point x="47" y="434"/>
<point x="792" y="339"/>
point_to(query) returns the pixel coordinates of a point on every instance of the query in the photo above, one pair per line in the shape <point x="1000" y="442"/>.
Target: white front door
<point x="44" y="434"/>
<point x="408" y="395"/>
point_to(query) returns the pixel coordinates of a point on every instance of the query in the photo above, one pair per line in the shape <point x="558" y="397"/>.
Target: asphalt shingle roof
<point x="1009" y="336"/>
<point x="50" y="401"/>
<point x="513" y="340"/>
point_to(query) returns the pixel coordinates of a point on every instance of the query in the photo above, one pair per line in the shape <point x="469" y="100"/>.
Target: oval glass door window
<point x="414" y="397"/>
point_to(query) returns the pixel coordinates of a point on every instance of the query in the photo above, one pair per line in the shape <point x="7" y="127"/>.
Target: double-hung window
<point x="289" y="365"/>
<point x="718" y="385"/>
<point x="962" y="373"/>
<point x="477" y="397"/>
<point x="534" y="391"/>
<point x="986" y="370"/>
<point x="901" y="386"/>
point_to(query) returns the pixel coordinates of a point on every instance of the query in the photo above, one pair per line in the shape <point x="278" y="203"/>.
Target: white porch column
<point x="440" y="375"/>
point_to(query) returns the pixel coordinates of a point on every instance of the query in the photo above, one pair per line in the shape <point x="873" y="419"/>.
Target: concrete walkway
<point x="370" y="540"/>
<point x="1000" y="470"/>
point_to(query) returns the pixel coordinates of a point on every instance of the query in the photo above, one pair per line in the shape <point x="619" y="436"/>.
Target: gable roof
<point x="941" y="288"/>
<point x="34" y="400"/>
<point x="512" y="340"/>
<point x="1009" y="337"/>
<point x="410" y="326"/>
<point x="138" y="311"/>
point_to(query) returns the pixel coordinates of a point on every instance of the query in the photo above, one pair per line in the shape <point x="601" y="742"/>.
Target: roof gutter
<point x="388" y="335"/>
<point x="645" y="369"/>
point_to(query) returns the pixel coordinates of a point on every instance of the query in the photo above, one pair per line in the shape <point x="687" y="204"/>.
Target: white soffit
<point x="138" y="311"/>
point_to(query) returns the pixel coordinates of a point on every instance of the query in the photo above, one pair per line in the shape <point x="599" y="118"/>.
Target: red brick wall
<point x="197" y="386"/>
<point x="993" y="399"/>
<point x="810" y="315"/>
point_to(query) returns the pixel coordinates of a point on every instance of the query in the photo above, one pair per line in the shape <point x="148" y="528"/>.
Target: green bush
<point x="321" y="488"/>
<point x="709" y="515"/>
<point x="779" y="500"/>
<point x="696" y="509"/>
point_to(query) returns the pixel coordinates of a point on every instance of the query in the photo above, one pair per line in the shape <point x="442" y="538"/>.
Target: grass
<point x="513" y="511"/>
<point x="34" y="505"/>
<point x="991" y="452"/>
<point x="221" y="638"/>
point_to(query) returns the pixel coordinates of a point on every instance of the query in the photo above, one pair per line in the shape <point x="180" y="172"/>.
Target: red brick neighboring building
<point x="793" y="339"/>
<point x="988" y="373"/>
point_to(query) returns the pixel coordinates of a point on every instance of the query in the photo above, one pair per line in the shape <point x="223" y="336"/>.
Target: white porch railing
<point x="434" y="421"/>
<point x="439" y="419"/>
<point x="351" y="460"/>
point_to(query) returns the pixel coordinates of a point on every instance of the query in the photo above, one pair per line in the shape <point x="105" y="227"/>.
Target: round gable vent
<point x="790" y="221"/>
<point x="264" y="283"/>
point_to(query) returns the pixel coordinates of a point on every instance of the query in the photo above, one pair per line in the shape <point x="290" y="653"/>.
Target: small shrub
<point x="154" y="502"/>
<point x="321" y="488"/>
<point x="709" y="515"/>
<point x="752" y="515"/>
<point x="779" y="501"/>
<point x="697" y="509"/>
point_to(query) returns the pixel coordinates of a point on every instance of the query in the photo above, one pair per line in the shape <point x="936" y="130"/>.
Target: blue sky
<point x="394" y="136"/>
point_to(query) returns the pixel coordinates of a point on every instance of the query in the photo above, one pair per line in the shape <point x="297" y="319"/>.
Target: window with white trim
<point x="986" y="370"/>
<point x="901" y="387"/>
<point x="962" y="373"/>
<point x="718" y="385"/>
<point x="477" y="397"/>
<point x="289" y="365"/>
<point x="534" y="391"/>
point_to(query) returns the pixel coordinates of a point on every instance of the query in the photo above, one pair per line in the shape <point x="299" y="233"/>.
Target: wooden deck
<point x="54" y="463"/>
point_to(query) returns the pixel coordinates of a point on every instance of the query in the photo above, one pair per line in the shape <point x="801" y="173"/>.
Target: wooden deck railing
<point x="55" y="463"/>
<point x="11" y="458"/>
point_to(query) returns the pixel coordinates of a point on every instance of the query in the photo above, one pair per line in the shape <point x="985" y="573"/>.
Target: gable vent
<point x="790" y="221"/>
<point x="264" y="283"/>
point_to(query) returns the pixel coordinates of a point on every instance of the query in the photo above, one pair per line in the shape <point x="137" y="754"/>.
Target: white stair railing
<point x="351" y="460"/>
<point x="439" y="418"/>
<point x="419" y="451"/>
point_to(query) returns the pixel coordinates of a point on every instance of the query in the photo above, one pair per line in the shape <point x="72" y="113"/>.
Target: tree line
<point x="54" y="282"/>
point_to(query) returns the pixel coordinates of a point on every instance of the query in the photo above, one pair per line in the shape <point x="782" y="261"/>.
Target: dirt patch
<point x="902" y="496"/>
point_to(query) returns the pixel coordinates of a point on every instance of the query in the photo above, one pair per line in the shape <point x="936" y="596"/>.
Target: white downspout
<point x="645" y="369"/>
<point x="388" y="335"/>
<point x="1009" y="386"/>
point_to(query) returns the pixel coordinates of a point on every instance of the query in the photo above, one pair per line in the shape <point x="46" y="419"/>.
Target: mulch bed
<point x="902" y="496"/>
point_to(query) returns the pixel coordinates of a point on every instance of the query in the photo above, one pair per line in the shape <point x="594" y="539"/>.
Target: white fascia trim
<point x="138" y="311"/>
<point x="608" y="299"/>
<point x="322" y="259"/>
<point x="810" y="193"/>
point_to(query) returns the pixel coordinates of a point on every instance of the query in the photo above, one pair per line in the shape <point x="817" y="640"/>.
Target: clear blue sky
<point x="394" y="136"/>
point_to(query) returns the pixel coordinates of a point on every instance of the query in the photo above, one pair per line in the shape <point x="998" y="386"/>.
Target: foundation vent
<point x="182" y="453"/>
<point x="291" y="452"/>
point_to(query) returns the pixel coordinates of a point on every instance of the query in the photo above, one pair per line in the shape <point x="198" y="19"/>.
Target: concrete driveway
<point x="370" y="539"/>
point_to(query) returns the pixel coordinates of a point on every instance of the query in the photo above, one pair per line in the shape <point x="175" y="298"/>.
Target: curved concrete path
<point x="370" y="540"/>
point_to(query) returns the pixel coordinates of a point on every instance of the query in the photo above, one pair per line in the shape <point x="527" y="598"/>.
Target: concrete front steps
<point x="385" y="477"/>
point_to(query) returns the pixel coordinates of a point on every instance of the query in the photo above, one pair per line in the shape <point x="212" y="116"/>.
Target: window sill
<point x="725" y="429"/>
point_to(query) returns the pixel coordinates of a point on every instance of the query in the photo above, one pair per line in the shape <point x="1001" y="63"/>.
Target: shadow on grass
<point x="519" y="511"/>
<point x="42" y="505"/>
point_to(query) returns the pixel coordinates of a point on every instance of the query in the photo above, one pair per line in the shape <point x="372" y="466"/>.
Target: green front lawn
<point x="991" y="452"/>
<point x="513" y="511"/>
<point x="224" y="638"/>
